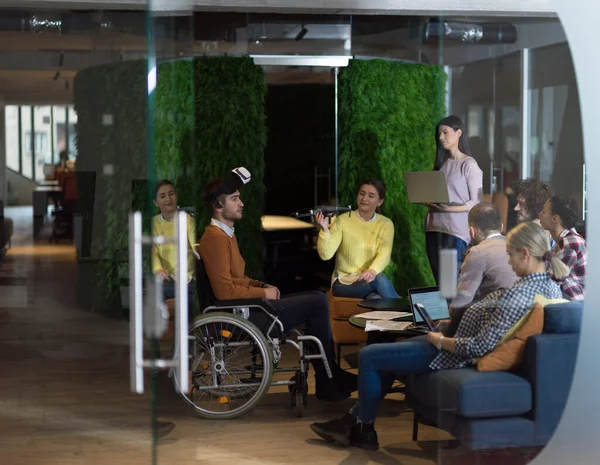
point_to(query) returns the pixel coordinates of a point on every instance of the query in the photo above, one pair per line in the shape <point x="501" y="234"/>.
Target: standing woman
<point x="447" y="226"/>
<point x="362" y="242"/>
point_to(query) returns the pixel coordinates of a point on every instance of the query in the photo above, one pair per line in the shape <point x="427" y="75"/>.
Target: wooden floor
<point x="65" y="399"/>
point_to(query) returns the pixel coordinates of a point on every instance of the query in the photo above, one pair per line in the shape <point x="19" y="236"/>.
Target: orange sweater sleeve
<point x="215" y="251"/>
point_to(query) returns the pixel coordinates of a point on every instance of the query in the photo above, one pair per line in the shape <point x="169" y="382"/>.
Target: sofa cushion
<point x="563" y="318"/>
<point x="469" y="393"/>
<point x="508" y="355"/>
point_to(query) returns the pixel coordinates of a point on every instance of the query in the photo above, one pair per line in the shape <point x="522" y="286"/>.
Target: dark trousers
<point x="310" y="309"/>
<point x="434" y="241"/>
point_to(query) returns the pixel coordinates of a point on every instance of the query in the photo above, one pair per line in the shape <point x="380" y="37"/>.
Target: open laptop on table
<point x="428" y="307"/>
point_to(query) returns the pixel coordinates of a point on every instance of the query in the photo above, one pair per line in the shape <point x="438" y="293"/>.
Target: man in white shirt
<point x="486" y="267"/>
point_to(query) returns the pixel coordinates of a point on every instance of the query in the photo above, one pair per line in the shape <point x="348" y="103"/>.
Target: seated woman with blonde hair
<point x="481" y="329"/>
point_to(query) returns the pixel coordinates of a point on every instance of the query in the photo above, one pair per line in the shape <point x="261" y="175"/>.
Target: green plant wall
<point x="208" y="119"/>
<point x="230" y="132"/>
<point x="110" y="102"/>
<point x="174" y="124"/>
<point x="388" y="113"/>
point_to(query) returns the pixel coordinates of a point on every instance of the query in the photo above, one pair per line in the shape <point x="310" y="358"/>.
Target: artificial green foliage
<point x="174" y="127"/>
<point x="208" y="118"/>
<point x="388" y="113"/>
<point x="110" y="102"/>
<point x="230" y="132"/>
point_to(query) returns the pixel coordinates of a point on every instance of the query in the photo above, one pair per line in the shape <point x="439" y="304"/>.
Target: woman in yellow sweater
<point x="362" y="242"/>
<point x="164" y="256"/>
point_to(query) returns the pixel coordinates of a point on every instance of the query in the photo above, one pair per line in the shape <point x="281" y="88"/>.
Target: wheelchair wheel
<point x="231" y="366"/>
<point x="298" y="394"/>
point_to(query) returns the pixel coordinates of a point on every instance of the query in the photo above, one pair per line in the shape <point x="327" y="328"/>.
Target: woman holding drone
<point x="362" y="242"/>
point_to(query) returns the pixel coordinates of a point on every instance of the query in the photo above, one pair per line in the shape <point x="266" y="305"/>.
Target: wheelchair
<point x="235" y="347"/>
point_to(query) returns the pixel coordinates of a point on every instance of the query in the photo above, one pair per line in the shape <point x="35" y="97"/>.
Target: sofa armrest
<point x="548" y="365"/>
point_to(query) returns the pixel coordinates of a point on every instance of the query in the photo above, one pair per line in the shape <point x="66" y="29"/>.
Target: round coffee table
<point x="358" y="322"/>
<point x="385" y="304"/>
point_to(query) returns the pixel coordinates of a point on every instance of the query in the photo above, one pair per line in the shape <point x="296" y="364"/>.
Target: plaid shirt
<point x="572" y="251"/>
<point x="485" y="323"/>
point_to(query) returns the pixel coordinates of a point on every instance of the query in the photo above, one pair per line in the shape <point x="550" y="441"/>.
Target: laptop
<point x="427" y="187"/>
<point x="428" y="307"/>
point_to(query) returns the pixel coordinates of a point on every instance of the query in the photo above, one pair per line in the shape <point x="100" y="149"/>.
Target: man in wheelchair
<point x="225" y="266"/>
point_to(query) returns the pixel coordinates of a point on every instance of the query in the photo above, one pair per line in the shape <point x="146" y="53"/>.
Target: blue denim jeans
<point x="380" y="364"/>
<point x="381" y="286"/>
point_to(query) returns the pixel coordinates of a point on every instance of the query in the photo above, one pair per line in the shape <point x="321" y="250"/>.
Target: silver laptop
<point x="427" y="187"/>
<point x="433" y="302"/>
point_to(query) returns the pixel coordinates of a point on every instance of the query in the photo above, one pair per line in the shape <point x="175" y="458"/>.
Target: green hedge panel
<point x="388" y="113"/>
<point x="209" y="118"/>
<point x="115" y="149"/>
<point x="230" y="132"/>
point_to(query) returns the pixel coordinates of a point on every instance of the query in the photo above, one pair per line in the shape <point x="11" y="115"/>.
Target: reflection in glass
<point x="556" y="145"/>
<point x="27" y="143"/>
<point x="13" y="157"/>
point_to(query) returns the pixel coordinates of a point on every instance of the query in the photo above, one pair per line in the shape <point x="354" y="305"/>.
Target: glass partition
<point x="311" y="104"/>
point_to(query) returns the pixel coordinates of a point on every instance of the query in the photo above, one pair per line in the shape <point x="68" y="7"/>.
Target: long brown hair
<point x="442" y="154"/>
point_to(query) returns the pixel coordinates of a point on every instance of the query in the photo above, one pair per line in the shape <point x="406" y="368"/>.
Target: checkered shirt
<point x="572" y="251"/>
<point x="486" y="322"/>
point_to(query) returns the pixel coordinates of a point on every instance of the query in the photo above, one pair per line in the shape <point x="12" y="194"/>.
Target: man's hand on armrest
<point x="271" y="292"/>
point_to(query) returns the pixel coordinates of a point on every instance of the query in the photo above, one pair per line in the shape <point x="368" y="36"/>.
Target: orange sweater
<point x="225" y="266"/>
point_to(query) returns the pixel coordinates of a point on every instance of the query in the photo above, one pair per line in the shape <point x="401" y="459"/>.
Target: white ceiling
<point x="30" y="62"/>
<point x="479" y="7"/>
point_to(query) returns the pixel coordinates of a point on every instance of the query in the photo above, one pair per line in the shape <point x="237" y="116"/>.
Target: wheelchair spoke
<point x="231" y="366"/>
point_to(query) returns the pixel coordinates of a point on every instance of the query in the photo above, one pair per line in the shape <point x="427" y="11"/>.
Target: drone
<point x="326" y="210"/>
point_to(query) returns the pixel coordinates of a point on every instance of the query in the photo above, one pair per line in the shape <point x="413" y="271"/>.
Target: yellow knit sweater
<point x="164" y="256"/>
<point x="360" y="245"/>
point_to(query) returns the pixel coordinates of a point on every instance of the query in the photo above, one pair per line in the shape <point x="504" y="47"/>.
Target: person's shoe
<point x="163" y="428"/>
<point x="337" y="430"/>
<point x="363" y="435"/>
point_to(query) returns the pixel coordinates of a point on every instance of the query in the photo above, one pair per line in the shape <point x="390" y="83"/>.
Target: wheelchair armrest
<point x="236" y="303"/>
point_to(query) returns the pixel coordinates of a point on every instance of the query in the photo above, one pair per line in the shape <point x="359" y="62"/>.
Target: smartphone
<point x="426" y="317"/>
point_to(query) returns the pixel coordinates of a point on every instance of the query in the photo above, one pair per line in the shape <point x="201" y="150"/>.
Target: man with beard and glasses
<point x="531" y="195"/>
<point x="225" y="268"/>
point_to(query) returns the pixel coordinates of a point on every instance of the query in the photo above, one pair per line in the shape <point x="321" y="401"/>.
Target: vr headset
<point x="237" y="178"/>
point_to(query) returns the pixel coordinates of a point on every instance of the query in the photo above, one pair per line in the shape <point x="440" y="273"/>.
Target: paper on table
<point x="382" y="315"/>
<point x="385" y="325"/>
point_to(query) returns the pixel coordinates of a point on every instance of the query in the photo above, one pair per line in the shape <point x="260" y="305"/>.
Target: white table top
<point x="281" y="223"/>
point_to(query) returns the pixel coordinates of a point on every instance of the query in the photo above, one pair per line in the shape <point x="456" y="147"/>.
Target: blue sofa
<point x="492" y="410"/>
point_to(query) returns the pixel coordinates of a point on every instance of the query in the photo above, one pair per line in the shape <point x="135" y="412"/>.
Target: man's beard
<point x="522" y="219"/>
<point x="233" y="216"/>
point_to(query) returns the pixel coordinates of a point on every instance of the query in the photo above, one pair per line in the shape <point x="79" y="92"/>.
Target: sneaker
<point x="364" y="436"/>
<point x="336" y="430"/>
